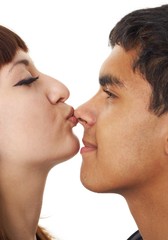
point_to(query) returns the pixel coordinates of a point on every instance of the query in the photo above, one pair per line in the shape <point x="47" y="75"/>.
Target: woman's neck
<point x="21" y="200"/>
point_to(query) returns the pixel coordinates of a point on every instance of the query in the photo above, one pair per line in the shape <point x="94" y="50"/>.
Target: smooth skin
<point x="36" y="134"/>
<point x="125" y="144"/>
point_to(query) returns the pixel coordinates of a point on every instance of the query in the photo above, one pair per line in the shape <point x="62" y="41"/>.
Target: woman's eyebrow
<point x="22" y="61"/>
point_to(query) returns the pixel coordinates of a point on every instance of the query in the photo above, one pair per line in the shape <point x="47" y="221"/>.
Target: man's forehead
<point x="119" y="57"/>
<point x="117" y="69"/>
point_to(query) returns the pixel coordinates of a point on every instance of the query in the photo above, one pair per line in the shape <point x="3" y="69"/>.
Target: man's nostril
<point x="81" y="120"/>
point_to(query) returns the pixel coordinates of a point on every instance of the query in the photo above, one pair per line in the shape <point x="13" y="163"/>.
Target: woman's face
<point x="35" y="123"/>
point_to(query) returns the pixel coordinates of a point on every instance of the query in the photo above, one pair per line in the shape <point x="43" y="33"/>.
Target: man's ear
<point x="166" y="145"/>
<point x="165" y="133"/>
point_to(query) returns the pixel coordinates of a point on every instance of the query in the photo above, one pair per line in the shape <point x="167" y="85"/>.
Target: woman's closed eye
<point x="27" y="81"/>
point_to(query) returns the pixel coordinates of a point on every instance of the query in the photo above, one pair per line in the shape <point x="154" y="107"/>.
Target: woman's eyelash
<point x="110" y="94"/>
<point x="26" y="81"/>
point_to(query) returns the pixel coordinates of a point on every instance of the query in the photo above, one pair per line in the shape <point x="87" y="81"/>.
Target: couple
<point x="125" y="128"/>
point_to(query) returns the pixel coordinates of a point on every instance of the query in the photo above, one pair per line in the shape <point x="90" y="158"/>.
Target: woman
<point x="35" y="135"/>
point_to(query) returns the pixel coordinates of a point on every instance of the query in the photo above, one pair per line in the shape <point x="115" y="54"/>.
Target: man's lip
<point x="88" y="144"/>
<point x="88" y="147"/>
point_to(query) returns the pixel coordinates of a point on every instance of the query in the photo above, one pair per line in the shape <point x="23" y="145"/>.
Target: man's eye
<point x="26" y="81"/>
<point x="110" y="94"/>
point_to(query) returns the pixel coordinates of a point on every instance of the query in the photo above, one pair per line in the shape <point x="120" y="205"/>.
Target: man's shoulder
<point x="135" y="236"/>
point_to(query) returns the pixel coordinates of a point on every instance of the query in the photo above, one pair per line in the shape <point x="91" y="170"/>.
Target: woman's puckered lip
<point x="70" y="113"/>
<point x="71" y="117"/>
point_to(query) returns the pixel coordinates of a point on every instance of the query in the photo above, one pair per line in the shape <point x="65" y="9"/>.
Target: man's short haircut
<point x="146" y="30"/>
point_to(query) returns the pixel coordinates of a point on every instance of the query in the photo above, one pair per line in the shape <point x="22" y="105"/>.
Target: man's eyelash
<point x="110" y="94"/>
<point x="26" y="81"/>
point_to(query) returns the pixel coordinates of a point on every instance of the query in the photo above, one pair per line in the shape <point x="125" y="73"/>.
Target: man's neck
<point x="150" y="211"/>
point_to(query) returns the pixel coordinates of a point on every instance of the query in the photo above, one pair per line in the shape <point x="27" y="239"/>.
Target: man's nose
<point x="86" y="114"/>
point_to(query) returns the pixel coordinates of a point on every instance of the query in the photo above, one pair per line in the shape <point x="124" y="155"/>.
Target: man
<point x="126" y="123"/>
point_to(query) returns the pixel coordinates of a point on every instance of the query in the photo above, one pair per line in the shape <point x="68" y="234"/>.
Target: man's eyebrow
<point x="110" y="80"/>
<point x="22" y="61"/>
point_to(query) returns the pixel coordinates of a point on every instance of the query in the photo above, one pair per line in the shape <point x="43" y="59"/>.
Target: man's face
<point x="123" y="140"/>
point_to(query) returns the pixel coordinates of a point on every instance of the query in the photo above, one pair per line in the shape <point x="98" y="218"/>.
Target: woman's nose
<point x="86" y="114"/>
<point x="56" y="91"/>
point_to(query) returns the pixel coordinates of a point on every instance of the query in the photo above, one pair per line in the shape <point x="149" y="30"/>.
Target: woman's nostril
<point x="62" y="99"/>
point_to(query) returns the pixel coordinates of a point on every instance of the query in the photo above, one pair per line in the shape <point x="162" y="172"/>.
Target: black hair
<point x="146" y="30"/>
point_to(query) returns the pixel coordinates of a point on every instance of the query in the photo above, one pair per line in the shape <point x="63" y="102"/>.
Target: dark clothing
<point x="135" y="236"/>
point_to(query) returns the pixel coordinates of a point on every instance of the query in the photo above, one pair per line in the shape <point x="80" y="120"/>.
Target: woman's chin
<point x="73" y="148"/>
<point x="69" y="150"/>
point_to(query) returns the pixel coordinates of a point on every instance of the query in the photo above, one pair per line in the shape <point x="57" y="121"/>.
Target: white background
<point x="68" y="39"/>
